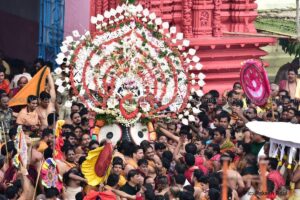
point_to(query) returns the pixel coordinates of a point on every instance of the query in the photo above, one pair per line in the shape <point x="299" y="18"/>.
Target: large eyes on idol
<point x="112" y="132"/>
<point x="139" y="133"/>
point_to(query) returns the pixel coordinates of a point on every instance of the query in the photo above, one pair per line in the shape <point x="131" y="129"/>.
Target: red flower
<point x="124" y="112"/>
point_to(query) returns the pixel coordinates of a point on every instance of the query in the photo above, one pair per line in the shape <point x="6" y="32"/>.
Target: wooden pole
<point x="37" y="180"/>
<point x="297" y="19"/>
<point x="224" y="179"/>
<point x="263" y="177"/>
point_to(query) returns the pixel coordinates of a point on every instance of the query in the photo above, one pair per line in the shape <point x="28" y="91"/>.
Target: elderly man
<point x="6" y="114"/>
<point x="274" y="90"/>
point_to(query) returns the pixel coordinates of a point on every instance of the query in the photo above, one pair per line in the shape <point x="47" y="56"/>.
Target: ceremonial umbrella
<point x="284" y="137"/>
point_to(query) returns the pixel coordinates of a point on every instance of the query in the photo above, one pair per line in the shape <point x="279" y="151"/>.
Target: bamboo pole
<point x="224" y="179"/>
<point x="37" y="180"/>
<point x="297" y="19"/>
<point x="263" y="177"/>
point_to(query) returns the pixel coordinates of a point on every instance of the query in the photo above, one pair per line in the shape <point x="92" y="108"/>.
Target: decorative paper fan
<point x="139" y="133"/>
<point x="112" y="132"/>
<point x="131" y="67"/>
<point x="96" y="168"/>
<point x="255" y="82"/>
<point x="49" y="174"/>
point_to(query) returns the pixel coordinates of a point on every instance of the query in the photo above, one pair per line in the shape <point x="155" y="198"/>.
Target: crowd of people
<point x="186" y="162"/>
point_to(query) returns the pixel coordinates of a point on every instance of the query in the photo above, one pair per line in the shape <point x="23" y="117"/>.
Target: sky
<point x="271" y="4"/>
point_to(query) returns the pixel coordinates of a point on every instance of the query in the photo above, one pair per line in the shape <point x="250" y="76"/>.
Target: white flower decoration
<point x="165" y="25"/>
<point x="173" y="29"/>
<point x="191" y="118"/>
<point x="58" y="82"/>
<point x="186" y="43"/>
<point x="199" y="93"/>
<point x="201" y="83"/>
<point x="100" y="17"/>
<point x="179" y="36"/>
<point x="196" y="59"/>
<point x="61" y="89"/>
<point x="112" y="103"/>
<point x="192" y="52"/>
<point x="119" y="9"/>
<point x="139" y="8"/>
<point x="113" y="12"/>
<point x="75" y="33"/>
<point x="58" y="70"/>
<point x="201" y="76"/>
<point x="186" y="113"/>
<point x="185" y="121"/>
<point x="93" y="20"/>
<point x="145" y="106"/>
<point x="198" y="66"/>
<point x="196" y="110"/>
<point x="152" y="16"/>
<point x="107" y="14"/>
<point x="61" y="55"/>
<point x="67" y="70"/>
<point x="59" y="61"/>
<point x="64" y="49"/>
<point x="158" y="21"/>
<point x="146" y="12"/>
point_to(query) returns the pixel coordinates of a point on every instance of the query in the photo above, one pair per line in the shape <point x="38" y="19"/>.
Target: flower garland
<point x="130" y="57"/>
<point x="124" y="113"/>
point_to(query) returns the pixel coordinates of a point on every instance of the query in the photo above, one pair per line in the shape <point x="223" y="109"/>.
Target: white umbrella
<point x="286" y="132"/>
<point x="282" y="136"/>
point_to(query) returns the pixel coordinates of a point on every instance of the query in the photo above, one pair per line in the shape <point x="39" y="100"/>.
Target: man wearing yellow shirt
<point x="46" y="140"/>
<point x="117" y="168"/>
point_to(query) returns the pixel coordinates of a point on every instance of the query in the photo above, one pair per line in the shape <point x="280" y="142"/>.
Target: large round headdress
<point x="134" y="65"/>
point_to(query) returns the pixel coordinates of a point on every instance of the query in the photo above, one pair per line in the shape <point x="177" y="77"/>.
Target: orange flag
<point x="34" y="87"/>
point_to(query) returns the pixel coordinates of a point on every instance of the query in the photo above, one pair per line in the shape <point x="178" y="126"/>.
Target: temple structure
<point x="222" y="32"/>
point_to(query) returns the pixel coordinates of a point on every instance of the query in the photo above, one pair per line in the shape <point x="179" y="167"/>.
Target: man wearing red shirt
<point x="274" y="175"/>
<point x="4" y="84"/>
<point x="190" y="162"/>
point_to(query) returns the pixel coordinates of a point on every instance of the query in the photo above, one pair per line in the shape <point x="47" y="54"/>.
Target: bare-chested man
<point x="68" y="163"/>
<point x="295" y="183"/>
<point x="46" y="103"/>
<point x="234" y="179"/>
<point x="132" y="162"/>
<point x="154" y="161"/>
